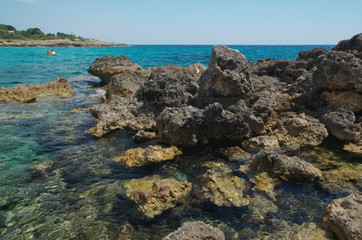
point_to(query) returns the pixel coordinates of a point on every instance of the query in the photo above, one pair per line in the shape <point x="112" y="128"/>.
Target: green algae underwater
<point x="58" y="182"/>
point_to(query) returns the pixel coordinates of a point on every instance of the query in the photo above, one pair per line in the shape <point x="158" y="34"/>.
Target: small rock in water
<point x="196" y="231"/>
<point x="138" y="157"/>
<point x="153" y="195"/>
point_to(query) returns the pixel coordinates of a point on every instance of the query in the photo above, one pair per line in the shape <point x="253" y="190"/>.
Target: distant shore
<point x="58" y="43"/>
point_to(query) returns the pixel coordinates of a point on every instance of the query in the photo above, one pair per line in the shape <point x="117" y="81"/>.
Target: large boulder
<point x="191" y="126"/>
<point x="107" y="67"/>
<point x="341" y="124"/>
<point x="338" y="71"/>
<point x="281" y="166"/>
<point x="227" y="75"/>
<point x="299" y="129"/>
<point x="196" y="230"/>
<point x="153" y="195"/>
<point x="138" y="157"/>
<point x="120" y="113"/>
<point x="355" y="43"/>
<point x="343" y="217"/>
<point x="127" y="83"/>
<point x="30" y="92"/>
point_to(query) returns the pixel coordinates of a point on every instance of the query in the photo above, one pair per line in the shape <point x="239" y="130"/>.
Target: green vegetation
<point x="9" y="32"/>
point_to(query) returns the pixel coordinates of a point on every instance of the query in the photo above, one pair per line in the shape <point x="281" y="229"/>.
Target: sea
<point x="59" y="182"/>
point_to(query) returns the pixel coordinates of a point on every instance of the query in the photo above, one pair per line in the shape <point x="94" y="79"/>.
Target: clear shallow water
<point x="77" y="190"/>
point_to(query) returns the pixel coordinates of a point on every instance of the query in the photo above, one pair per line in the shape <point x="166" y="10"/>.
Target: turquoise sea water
<point x="76" y="192"/>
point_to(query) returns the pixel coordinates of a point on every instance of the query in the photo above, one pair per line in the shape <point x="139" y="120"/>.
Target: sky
<point x="191" y="21"/>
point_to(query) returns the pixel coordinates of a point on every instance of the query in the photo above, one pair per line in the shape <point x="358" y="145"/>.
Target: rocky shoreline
<point x="58" y="43"/>
<point x="256" y="118"/>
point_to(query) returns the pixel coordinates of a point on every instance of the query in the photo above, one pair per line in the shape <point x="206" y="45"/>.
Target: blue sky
<point x="191" y="22"/>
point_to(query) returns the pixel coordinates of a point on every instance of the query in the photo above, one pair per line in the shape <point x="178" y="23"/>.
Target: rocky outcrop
<point x="355" y="43"/>
<point x="29" y="92"/>
<point x="339" y="75"/>
<point x="135" y="99"/>
<point x="107" y="67"/>
<point x="120" y="113"/>
<point x="190" y="126"/>
<point x="284" y="167"/>
<point x="153" y="195"/>
<point x="299" y="129"/>
<point x="196" y="230"/>
<point x="138" y="157"/>
<point x="341" y="124"/>
<point x="127" y="83"/>
<point x="226" y="76"/>
<point x="343" y="217"/>
<point x="142" y="136"/>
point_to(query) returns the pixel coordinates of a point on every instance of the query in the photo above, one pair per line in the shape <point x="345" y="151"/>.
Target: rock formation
<point x="343" y="217"/>
<point x="137" y="157"/>
<point x="29" y="92"/>
<point x="107" y="67"/>
<point x="284" y="167"/>
<point x="196" y="230"/>
<point x="355" y="43"/>
<point x="155" y="195"/>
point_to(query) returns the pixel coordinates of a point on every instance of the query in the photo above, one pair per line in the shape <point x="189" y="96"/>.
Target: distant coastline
<point x="58" y="43"/>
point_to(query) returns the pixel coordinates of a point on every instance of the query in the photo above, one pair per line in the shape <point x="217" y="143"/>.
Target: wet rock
<point x="264" y="183"/>
<point x="341" y="124"/>
<point x="138" y="157"/>
<point x="355" y="43"/>
<point x="120" y="113"/>
<point x="76" y="110"/>
<point x="345" y="178"/>
<point x="283" y="167"/>
<point x="221" y="187"/>
<point x="343" y="217"/>
<point x="300" y="130"/>
<point x="153" y="195"/>
<point x="260" y="142"/>
<point x="127" y="83"/>
<point x="29" y="92"/>
<point x="196" y="230"/>
<point x="234" y="154"/>
<point x="354" y="147"/>
<point x="107" y="67"/>
<point x="142" y="136"/>
<point x="226" y="76"/>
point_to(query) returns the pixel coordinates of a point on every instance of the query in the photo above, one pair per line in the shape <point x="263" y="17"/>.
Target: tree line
<point x="10" y="32"/>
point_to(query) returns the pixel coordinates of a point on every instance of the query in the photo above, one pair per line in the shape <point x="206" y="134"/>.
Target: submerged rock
<point x="153" y="195"/>
<point x="234" y="154"/>
<point x="221" y="187"/>
<point x="354" y="147"/>
<point x="196" y="230"/>
<point x="30" y="92"/>
<point x="343" y="217"/>
<point x="227" y="75"/>
<point x="107" y="67"/>
<point x="283" y="167"/>
<point x="138" y="157"/>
